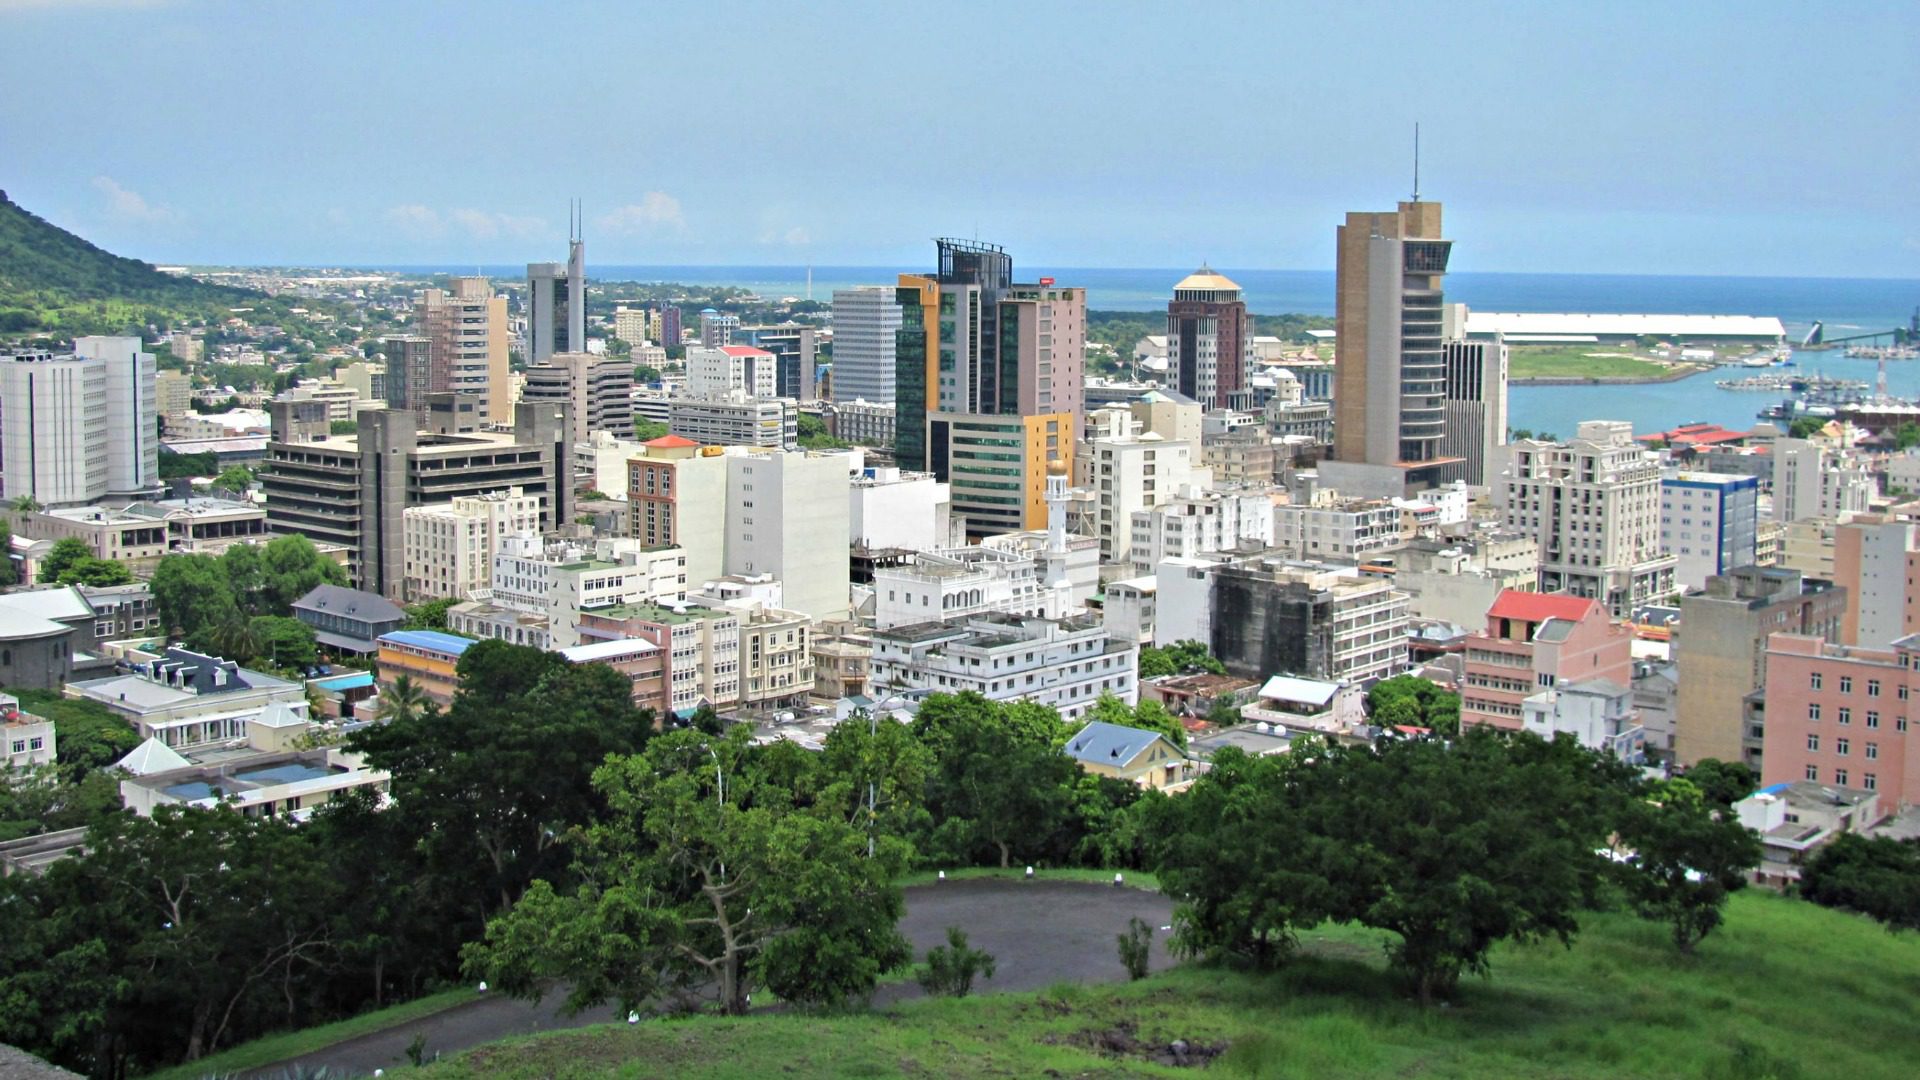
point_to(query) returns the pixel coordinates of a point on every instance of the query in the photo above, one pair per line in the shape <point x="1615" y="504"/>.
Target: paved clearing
<point x="1039" y="932"/>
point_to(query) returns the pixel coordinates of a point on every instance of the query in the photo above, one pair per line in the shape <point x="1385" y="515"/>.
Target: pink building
<point x="1535" y="642"/>
<point x="1838" y="715"/>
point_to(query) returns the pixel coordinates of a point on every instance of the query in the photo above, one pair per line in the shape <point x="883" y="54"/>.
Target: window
<point x="1870" y="782"/>
<point x="1842" y="746"/>
<point x="1873" y="719"/>
<point x="1846" y="684"/>
<point x="1813" y="773"/>
<point x="1813" y="743"/>
<point x="1873" y="751"/>
<point x="1814" y="680"/>
<point x="1873" y="687"/>
<point x="1813" y="711"/>
<point x="1846" y="715"/>
<point x="1840" y="776"/>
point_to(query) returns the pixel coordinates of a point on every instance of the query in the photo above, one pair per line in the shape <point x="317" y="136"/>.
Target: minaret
<point x="1061" y="600"/>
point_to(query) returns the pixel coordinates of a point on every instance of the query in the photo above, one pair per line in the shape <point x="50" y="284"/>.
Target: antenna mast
<point x="1416" y="161"/>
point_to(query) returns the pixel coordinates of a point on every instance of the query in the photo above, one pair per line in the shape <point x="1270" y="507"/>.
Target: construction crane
<point x="1901" y="335"/>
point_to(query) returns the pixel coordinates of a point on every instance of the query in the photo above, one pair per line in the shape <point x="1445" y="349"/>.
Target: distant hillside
<point x="53" y="282"/>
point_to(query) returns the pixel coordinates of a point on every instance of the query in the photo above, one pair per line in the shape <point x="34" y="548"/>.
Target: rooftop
<point x="1539" y="607"/>
<point x="430" y="639"/>
<point x="1101" y="743"/>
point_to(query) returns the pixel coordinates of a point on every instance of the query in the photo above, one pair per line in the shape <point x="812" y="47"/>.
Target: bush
<point x="1136" y="948"/>
<point x="951" y="968"/>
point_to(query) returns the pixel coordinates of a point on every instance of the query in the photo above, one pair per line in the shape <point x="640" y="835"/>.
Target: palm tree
<point x="402" y="702"/>
<point x="25" y="504"/>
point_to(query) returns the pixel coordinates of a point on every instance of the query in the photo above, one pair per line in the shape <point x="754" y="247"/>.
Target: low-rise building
<point x="702" y="646"/>
<point x="429" y="659"/>
<point x="286" y="783"/>
<point x="769" y="423"/>
<point x="1796" y="818"/>
<point x="28" y="740"/>
<point x="188" y="699"/>
<point x="1354" y="530"/>
<point x="1534" y="642"/>
<point x="1145" y="758"/>
<point x="954" y="583"/>
<point x="643" y="663"/>
<point x="1598" y="713"/>
<point x="860" y="421"/>
<point x="1295" y="704"/>
<point x="348" y="620"/>
<point x="1198" y="521"/>
<point x="449" y="547"/>
<point x="1065" y="663"/>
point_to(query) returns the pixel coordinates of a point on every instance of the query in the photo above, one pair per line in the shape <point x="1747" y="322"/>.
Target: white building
<point x="1598" y="713"/>
<point x="771" y="423"/>
<point x="894" y="509"/>
<point x="1264" y="615"/>
<point x="865" y="320"/>
<point x="776" y="644"/>
<point x="601" y="461"/>
<point x="1065" y="663"/>
<point x="450" y="546"/>
<point x="1810" y="481"/>
<point x="1129" y="611"/>
<point x="1129" y="473"/>
<point x="1709" y="523"/>
<point x="788" y="514"/>
<point x="723" y="370"/>
<point x="955" y="583"/>
<point x="1197" y="521"/>
<point x="1593" y="504"/>
<point x="26" y="741"/>
<point x="79" y="427"/>
<point x="1357" y="529"/>
<point x="562" y="580"/>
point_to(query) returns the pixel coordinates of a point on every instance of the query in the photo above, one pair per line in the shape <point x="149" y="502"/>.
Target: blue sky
<point x="1712" y="138"/>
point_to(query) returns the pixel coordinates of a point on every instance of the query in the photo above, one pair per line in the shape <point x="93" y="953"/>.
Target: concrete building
<point x="429" y="659"/>
<point x="1475" y="397"/>
<point x="188" y="699"/>
<point x="1535" y="642"/>
<point x="865" y="322"/>
<point x="722" y="371"/>
<point x="1876" y="558"/>
<point x="27" y="741"/>
<point x="448" y="547"/>
<point x="598" y="391"/>
<point x="642" y="663"/>
<point x="996" y="466"/>
<point x="540" y="592"/>
<point x="1173" y="416"/>
<point x="1457" y="581"/>
<point x="1598" y="713"/>
<point x="766" y="423"/>
<point x="702" y="648"/>
<point x="1709" y="523"/>
<point x="1210" y="341"/>
<point x="1594" y="506"/>
<point x="409" y="372"/>
<point x="1720" y="652"/>
<point x="1065" y="663"/>
<point x="789" y="515"/>
<point x="1844" y="716"/>
<point x="140" y="533"/>
<point x="1199" y="521"/>
<point x="466" y="328"/>
<point x="794" y="356"/>
<point x="954" y="583"/>
<point x="353" y="490"/>
<point x="172" y="392"/>
<point x="717" y="328"/>
<point x="635" y="326"/>
<point x="776" y="651"/>
<point x="1811" y="480"/>
<point x="1241" y="458"/>
<point x="889" y="508"/>
<point x="80" y="427"/>
<point x="1389" y="405"/>
<point x="677" y="494"/>
<point x="1129" y="474"/>
<point x="671" y="332"/>
<point x="1263" y="615"/>
<point x="860" y="421"/>
<point x="557" y="305"/>
<point x="1327" y="529"/>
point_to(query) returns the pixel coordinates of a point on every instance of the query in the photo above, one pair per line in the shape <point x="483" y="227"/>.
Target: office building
<point x="893" y="509"/>
<point x="702" y="647"/>
<point x="1066" y="663"/>
<point x="1876" y="557"/>
<point x="1811" y="480"/>
<point x="539" y="590"/>
<point x="79" y="427"/>
<point x="449" y="546"/>
<point x="409" y="372"/>
<point x="429" y="659"/>
<point x="1198" y="521"/>
<point x="597" y="389"/>
<point x="677" y="494"/>
<point x="723" y="370"/>
<point x="1533" y="641"/>
<point x="789" y="514"/>
<point x="557" y="305"/>
<point x="972" y="343"/>
<point x="1709" y="523"/>
<point x="1129" y="474"/>
<point x="670" y="331"/>
<point x="794" y="356"/>
<point x="353" y="490"/>
<point x="1720" y="653"/>
<point x="1844" y="716"/>
<point x="635" y="326"/>
<point x="860" y="421"/>
<point x="866" y="321"/>
<point x="996" y="466"/>
<point x="1475" y="408"/>
<point x="466" y="329"/>
<point x="1389" y="403"/>
<point x="1593" y="504"/>
<point x="1261" y="615"/>
<point x="1210" y="341"/>
<point x="766" y="423"/>
<point x="172" y="393"/>
<point x="717" y="328"/>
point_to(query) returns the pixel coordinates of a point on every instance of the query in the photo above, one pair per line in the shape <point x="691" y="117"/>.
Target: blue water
<point x="1846" y="305"/>
<point x="291" y="772"/>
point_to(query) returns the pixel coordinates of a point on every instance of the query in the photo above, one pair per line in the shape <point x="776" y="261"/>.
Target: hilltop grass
<point x="1580" y="362"/>
<point x="286" y="1046"/>
<point x="1785" y="990"/>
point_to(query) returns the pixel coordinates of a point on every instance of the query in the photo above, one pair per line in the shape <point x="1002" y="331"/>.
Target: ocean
<point x="1845" y="305"/>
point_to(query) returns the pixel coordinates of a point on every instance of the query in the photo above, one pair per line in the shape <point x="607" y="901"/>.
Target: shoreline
<point x="1606" y="380"/>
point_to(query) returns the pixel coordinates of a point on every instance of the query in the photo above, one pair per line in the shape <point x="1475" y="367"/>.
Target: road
<point x="1039" y="932"/>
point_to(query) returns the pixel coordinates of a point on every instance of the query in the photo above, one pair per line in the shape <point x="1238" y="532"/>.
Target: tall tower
<point x="1391" y="373"/>
<point x="466" y="329"/>
<point x="557" y="301"/>
<point x="1210" y="341"/>
<point x="76" y="428"/>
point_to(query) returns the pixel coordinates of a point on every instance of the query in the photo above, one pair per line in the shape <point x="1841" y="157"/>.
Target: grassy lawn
<point x="1785" y="990"/>
<point x="1579" y="361"/>
<point x="1137" y="879"/>
<point x="293" y="1044"/>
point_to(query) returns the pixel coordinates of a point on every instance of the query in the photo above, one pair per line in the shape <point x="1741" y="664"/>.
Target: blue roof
<point x="430" y="639"/>
<point x="1774" y="789"/>
<point x="346" y="682"/>
<point x="1101" y="743"/>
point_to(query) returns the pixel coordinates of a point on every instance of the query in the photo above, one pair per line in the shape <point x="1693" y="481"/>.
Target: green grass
<point x="1138" y="879"/>
<point x="1785" y="990"/>
<point x="292" y="1044"/>
<point x="1579" y="361"/>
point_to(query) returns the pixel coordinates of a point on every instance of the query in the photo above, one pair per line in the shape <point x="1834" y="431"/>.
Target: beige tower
<point x="467" y="327"/>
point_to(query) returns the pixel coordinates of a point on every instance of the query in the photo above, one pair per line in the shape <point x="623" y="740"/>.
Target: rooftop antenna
<point x="1416" y="161"/>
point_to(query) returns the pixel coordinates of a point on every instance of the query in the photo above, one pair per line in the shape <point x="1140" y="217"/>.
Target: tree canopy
<point x="1411" y="701"/>
<point x="1877" y="877"/>
<point x="1180" y="658"/>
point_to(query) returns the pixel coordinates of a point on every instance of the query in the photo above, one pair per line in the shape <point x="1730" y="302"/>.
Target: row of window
<point x="1868" y="781"/>
<point x="1843" y="747"/>
<point x="1815" y="680"/>
<point x="1845" y="716"/>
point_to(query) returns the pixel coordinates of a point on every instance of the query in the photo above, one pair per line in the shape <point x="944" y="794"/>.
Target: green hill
<point x="53" y="282"/>
<point x="1785" y="990"/>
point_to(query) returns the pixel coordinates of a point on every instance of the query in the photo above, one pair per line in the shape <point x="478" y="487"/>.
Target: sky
<point x="1741" y="138"/>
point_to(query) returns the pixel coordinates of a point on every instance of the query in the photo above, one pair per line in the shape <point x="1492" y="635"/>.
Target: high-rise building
<point x="1593" y="504"/>
<point x="1210" y="341"/>
<point x="631" y="325"/>
<point x="79" y="427"/>
<point x="1389" y="399"/>
<point x="670" y="332"/>
<point x="557" y="305"/>
<point x="409" y="372"/>
<point x="1475" y="396"/>
<point x="1263" y="615"/>
<point x="1876" y="557"/>
<point x="1708" y="523"/>
<point x="793" y="352"/>
<point x="717" y="371"/>
<point x="866" y="321"/>
<point x="997" y="466"/>
<point x="450" y="545"/>
<point x="717" y="328"/>
<point x="466" y="329"/>
<point x="1810" y="480"/>
<point x="789" y="515"/>
<point x="598" y="389"/>
<point x="972" y="342"/>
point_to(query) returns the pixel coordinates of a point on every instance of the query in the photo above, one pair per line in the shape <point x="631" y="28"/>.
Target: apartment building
<point x="1265" y="615"/>
<point x="723" y="370"/>
<point x="1534" y="642"/>
<point x="79" y="427"/>
<point x="1065" y="663"/>
<point x="1709" y="523"/>
<point x="1594" y="506"/>
<point x="1844" y="716"/>
<point x="1199" y="521"/>
<point x="598" y="390"/>
<point x="539" y="590"/>
<point x="449" y="546"/>
<point x="28" y="741"/>
<point x="891" y="508"/>
<point x="643" y="664"/>
<point x="954" y="583"/>
<point x="702" y="648"/>
<point x="465" y="325"/>
<point x="1812" y="480"/>
<point x="1129" y="474"/>
<point x="1876" y="558"/>
<point x="1354" y="529"/>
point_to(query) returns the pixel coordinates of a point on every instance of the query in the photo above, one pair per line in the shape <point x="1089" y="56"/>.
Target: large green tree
<point x="1180" y="658"/>
<point x="1878" y="877"/>
<point x="1002" y="787"/>
<point x="61" y="557"/>
<point x="1722" y="783"/>
<point x="1689" y="855"/>
<point x="1411" y="701"/>
<point x="193" y="593"/>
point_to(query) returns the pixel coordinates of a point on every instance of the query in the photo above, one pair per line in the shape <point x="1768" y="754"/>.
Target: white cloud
<point x="417" y="221"/>
<point x="484" y="225"/>
<point x="794" y="237"/>
<point x="655" y="210"/>
<point x="129" y="206"/>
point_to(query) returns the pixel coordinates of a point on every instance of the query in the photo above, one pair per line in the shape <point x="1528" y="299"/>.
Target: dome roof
<point x="1205" y="278"/>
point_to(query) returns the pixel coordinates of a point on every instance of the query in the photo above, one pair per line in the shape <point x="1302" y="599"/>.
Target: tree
<point x="699" y="877"/>
<point x="1002" y="783"/>
<point x="646" y="430"/>
<point x="813" y="434"/>
<point x="8" y="575"/>
<point x="94" y="573"/>
<point x="292" y="567"/>
<point x="63" y="556"/>
<point x="1411" y="701"/>
<point x="90" y="736"/>
<point x="284" y="642"/>
<point x="1907" y="436"/>
<point x="236" y="478"/>
<point x="403" y="702"/>
<point x="1878" y="877"/>
<point x="1149" y="715"/>
<point x="1689" y="856"/>
<point x="343" y="427"/>
<point x="1180" y="658"/>
<point x="25" y="504"/>
<point x="1806" y="427"/>
<point x="1722" y="783"/>
<point x="1136" y="948"/>
<point x="951" y="968"/>
<point x="44" y="800"/>
<point x="192" y="593"/>
<point x="429" y="615"/>
<point x="646" y="373"/>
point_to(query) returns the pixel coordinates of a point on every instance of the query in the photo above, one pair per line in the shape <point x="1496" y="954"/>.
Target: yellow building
<point x="1146" y="758"/>
<point x="428" y="657"/>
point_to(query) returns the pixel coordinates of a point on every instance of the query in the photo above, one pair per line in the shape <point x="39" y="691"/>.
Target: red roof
<point x="670" y="442"/>
<point x="1536" y="607"/>
<point x="743" y="350"/>
<point x="1697" y="435"/>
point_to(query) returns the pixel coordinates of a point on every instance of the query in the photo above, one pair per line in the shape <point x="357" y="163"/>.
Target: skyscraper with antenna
<point x="557" y="297"/>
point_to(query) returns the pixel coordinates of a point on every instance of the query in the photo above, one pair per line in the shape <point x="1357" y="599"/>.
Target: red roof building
<point x="1535" y="642"/>
<point x="1696" y="435"/>
<point x="669" y="442"/>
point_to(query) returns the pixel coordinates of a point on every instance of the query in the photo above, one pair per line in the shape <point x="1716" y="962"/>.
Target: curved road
<point x="1039" y="932"/>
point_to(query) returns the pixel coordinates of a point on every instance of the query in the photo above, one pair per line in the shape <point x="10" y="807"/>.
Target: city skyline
<point x="1720" y="140"/>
